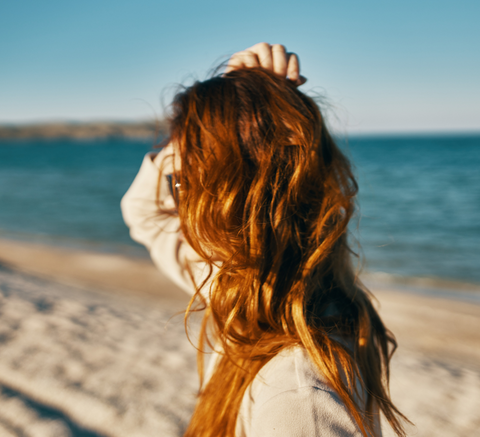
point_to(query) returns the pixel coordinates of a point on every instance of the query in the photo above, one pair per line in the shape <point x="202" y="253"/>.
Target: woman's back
<point x="263" y="198"/>
<point x="289" y="397"/>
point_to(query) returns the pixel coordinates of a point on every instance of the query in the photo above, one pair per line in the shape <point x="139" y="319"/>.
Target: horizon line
<point x="378" y="132"/>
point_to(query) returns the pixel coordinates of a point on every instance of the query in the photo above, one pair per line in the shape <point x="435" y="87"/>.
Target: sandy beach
<point x="90" y="346"/>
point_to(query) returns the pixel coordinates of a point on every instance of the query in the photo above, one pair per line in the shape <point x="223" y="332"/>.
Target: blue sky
<point x="384" y="66"/>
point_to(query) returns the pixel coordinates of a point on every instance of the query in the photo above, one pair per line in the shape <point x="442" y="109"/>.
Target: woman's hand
<point x="271" y="57"/>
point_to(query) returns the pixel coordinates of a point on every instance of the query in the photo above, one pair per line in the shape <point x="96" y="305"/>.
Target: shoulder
<point x="290" y="398"/>
<point x="305" y="411"/>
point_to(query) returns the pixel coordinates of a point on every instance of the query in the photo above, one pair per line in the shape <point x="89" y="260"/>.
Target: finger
<point x="293" y="70"/>
<point x="279" y="56"/>
<point x="243" y="59"/>
<point x="293" y="67"/>
<point x="264" y="54"/>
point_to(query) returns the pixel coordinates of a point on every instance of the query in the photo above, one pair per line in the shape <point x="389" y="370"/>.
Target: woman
<point x="248" y="208"/>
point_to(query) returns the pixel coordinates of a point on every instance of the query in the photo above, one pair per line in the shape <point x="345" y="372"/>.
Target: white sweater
<point x="288" y="397"/>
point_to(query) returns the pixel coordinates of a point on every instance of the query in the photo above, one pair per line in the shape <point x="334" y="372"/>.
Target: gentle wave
<point x="435" y="287"/>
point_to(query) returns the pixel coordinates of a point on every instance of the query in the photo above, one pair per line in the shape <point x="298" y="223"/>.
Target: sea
<point x="417" y="223"/>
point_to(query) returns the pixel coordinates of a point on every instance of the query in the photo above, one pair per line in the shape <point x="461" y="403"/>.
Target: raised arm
<point x="144" y="208"/>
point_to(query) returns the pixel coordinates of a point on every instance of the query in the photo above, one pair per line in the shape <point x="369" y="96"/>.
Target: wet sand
<point x="89" y="347"/>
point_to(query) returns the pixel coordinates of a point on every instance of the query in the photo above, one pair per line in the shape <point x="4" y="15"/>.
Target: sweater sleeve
<point x="304" y="412"/>
<point x="158" y="231"/>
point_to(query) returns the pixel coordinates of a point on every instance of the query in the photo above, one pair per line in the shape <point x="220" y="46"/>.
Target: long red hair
<point x="267" y="195"/>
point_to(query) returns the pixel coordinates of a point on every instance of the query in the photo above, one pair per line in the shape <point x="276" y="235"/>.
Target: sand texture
<point x="84" y="356"/>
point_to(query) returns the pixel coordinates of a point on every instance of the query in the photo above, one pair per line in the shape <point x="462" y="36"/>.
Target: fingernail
<point x="301" y="80"/>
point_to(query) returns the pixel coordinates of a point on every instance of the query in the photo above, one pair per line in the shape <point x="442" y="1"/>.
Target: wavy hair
<point x="267" y="196"/>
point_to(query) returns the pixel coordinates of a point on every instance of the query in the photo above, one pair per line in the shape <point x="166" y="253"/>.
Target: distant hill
<point x="147" y="130"/>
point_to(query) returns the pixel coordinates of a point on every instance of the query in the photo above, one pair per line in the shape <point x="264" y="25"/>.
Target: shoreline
<point x="436" y="324"/>
<point x="109" y="272"/>
<point x="434" y="287"/>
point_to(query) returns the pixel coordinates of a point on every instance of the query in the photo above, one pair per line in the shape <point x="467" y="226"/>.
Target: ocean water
<point x="420" y="205"/>
<point x="419" y="199"/>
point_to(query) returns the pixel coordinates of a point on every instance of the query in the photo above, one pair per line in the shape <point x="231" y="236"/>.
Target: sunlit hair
<point x="267" y="196"/>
